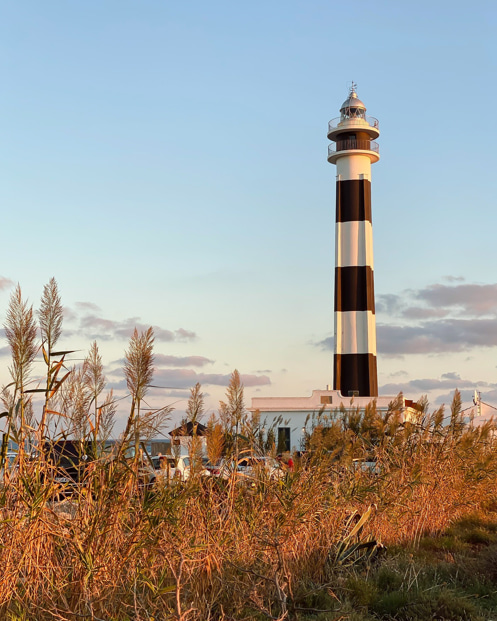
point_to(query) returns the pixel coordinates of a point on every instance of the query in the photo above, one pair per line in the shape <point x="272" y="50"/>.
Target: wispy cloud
<point x="327" y="343"/>
<point x="471" y="299"/>
<point x="92" y="325"/>
<point x="440" y="300"/>
<point x="181" y="361"/>
<point x="437" y="319"/>
<point x="454" y="278"/>
<point x="424" y="385"/>
<point x="451" y="376"/>
<point x="5" y="283"/>
<point x="87" y="306"/>
<point x="433" y="337"/>
<point x="186" y="378"/>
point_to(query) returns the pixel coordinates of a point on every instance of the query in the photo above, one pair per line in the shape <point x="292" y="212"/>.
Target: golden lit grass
<point x="221" y="549"/>
<point x="215" y="549"/>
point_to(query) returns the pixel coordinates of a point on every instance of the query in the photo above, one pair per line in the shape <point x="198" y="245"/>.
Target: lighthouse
<point x="353" y="150"/>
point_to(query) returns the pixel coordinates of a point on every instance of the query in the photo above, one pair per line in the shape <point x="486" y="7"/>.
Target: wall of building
<point x="294" y="411"/>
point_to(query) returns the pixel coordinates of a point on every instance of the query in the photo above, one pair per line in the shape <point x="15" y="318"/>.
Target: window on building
<point x="283" y="439"/>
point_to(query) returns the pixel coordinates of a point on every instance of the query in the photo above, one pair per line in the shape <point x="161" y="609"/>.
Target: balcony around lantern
<point x="364" y="147"/>
<point x="367" y="124"/>
<point x="353" y="144"/>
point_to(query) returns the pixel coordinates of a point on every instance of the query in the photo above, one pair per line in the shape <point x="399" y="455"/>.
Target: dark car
<point x="67" y="461"/>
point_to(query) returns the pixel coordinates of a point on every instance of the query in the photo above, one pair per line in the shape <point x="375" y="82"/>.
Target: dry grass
<point x="213" y="549"/>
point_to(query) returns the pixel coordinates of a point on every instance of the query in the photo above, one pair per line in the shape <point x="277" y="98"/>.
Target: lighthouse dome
<point x="352" y="107"/>
<point x="353" y="101"/>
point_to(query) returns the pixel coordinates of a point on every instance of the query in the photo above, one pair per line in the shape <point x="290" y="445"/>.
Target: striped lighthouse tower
<point x="353" y="150"/>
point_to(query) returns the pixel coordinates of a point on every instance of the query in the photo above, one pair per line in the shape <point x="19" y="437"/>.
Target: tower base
<point x="355" y="375"/>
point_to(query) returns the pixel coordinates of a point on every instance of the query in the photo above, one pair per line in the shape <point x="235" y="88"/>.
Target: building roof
<point x="187" y="429"/>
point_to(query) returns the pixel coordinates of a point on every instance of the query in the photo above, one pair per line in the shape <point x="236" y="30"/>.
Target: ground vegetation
<point x="380" y="518"/>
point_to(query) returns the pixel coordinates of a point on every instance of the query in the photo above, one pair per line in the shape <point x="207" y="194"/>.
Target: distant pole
<point x="353" y="151"/>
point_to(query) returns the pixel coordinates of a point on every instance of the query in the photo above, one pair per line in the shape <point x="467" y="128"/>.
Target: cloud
<point x="96" y="327"/>
<point x="454" y="278"/>
<point x="173" y="379"/>
<point x="5" y="351"/>
<point x="327" y="343"/>
<point x="185" y="378"/>
<point x="170" y="394"/>
<point x="5" y="283"/>
<point x="389" y="304"/>
<point x="422" y="386"/>
<point x="445" y="318"/>
<point x="87" y="306"/>
<point x="440" y="300"/>
<point x="446" y="398"/>
<point x="69" y="314"/>
<point x="448" y="335"/>
<point x="472" y="299"/>
<point x="451" y="376"/>
<point x="418" y="312"/>
<point x="399" y="374"/>
<point x="181" y="361"/>
<point x="184" y="335"/>
<point x="117" y="384"/>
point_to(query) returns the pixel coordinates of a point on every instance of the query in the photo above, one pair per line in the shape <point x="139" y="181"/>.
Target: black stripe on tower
<point x="353" y="201"/>
<point x="355" y="372"/>
<point x="354" y="288"/>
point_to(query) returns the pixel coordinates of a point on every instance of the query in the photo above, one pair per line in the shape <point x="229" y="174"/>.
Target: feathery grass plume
<point x="50" y="315"/>
<point x="215" y="440"/>
<point x="194" y="412"/>
<point x="20" y="330"/>
<point x="74" y="399"/>
<point x="232" y="412"/>
<point x="138" y="371"/>
<point x="152" y="421"/>
<point x="195" y="406"/>
<point x="456" y="415"/>
<point x="94" y="380"/>
<point x="7" y="398"/>
<point x="106" y="417"/>
<point x="254" y="432"/>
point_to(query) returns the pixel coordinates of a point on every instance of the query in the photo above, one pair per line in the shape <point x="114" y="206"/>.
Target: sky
<point x="165" y="161"/>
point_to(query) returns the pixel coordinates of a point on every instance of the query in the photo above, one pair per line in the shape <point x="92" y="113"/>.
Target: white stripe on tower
<point x="355" y="369"/>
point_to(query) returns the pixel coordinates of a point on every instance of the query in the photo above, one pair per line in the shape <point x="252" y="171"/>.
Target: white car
<point x="9" y="466"/>
<point x="265" y="466"/>
<point x="178" y="468"/>
<point x="249" y="468"/>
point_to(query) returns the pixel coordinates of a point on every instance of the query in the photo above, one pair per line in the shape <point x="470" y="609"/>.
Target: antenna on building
<point x="477" y="402"/>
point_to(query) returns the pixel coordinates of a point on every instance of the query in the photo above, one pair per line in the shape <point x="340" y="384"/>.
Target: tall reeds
<point x="209" y="548"/>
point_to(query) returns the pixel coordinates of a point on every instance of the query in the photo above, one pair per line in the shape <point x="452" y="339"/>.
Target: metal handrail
<point x="370" y="120"/>
<point x="350" y="145"/>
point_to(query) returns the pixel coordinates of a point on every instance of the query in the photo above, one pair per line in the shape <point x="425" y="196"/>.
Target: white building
<point x="289" y="414"/>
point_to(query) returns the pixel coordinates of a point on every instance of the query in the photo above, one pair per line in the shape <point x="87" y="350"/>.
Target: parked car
<point x="176" y="468"/>
<point x="369" y="466"/>
<point x="253" y="467"/>
<point x="9" y="466"/>
<point x="212" y="468"/>
<point x="249" y="467"/>
<point x="68" y="461"/>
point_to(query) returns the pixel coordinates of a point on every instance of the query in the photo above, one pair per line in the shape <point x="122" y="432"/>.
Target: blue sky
<point x="166" y="162"/>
